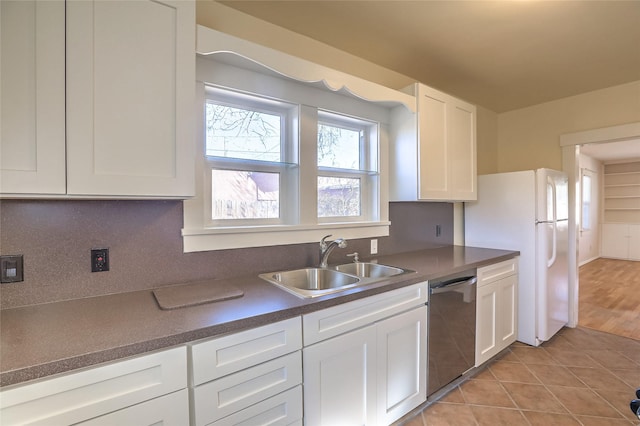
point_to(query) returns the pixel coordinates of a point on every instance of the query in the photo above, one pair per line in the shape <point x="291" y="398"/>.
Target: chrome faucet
<point x="327" y="247"/>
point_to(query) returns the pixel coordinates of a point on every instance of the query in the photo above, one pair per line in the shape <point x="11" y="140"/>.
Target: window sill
<point x="262" y="236"/>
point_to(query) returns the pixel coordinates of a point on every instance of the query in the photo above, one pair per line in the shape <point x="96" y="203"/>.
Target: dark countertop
<point x="42" y="340"/>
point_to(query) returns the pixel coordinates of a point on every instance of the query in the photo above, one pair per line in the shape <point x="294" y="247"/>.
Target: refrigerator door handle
<point x="554" y="239"/>
<point x="554" y="244"/>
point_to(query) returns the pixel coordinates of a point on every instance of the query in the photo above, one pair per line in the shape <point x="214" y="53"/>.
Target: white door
<point x="615" y="240"/>
<point x="402" y="364"/>
<point x="32" y="111"/>
<point x="552" y="270"/>
<point x="507" y="318"/>
<point x="340" y="380"/>
<point x="130" y="97"/>
<point x="486" y="326"/>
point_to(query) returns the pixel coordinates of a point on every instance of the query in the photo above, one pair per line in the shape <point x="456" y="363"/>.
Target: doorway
<point x="622" y="141"/>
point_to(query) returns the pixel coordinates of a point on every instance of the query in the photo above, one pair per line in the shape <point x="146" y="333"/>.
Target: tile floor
<point x="580" y="377"/>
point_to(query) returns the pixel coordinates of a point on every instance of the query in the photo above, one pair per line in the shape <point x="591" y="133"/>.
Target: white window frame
<point x="286" y="167"/>
<point x="200" y="235"/>
<point x="368" y="173"/>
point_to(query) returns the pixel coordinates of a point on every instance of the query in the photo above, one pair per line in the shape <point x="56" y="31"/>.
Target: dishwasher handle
<point x="453" y="284"/>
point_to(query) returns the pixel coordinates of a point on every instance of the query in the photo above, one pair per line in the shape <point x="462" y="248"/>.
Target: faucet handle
<point x="354" y="255"/>
<point x="323" y="244"/>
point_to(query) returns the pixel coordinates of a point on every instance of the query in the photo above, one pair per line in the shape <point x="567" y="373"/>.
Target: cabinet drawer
<point x="280" y="410"/>
<point x="220" y="398"/>
<point x="225" y="355"/>
<point x="90" y="393"/>
<point x="340" y="319"/>
<point x="497" y="271"/>
<point x="168" y="410"/>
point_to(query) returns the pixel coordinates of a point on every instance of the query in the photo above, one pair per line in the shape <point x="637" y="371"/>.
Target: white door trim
<point x="570" y="144"/>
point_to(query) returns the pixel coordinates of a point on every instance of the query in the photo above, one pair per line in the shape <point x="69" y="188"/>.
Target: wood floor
<point x="609" y="297"/>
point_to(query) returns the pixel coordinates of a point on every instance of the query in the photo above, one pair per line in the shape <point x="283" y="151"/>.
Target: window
<point x="347" y="167"/>
<point x="585" y="224"/>
<point x="250" y="152"/>
<point x="283" y="162"/>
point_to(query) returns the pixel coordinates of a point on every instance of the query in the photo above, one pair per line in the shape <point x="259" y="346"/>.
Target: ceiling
<point x="502" y="55"/>
<point x="613" y="151"/>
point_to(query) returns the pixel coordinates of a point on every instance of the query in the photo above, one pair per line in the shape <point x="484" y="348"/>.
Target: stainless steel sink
<point x="315" y="282"/>
<point x="369" y="270"/>
<point x="311" y="282"/>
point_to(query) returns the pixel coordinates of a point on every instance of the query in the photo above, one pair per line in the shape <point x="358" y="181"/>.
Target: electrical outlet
<point x="438" y="230"/>
<point x="374" y="246"/>
<point x="11" y="269"/>
<point x="99" y="260"/>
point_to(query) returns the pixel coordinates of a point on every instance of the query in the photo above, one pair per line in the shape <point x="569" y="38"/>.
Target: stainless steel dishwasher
<point x="452" y="328"/>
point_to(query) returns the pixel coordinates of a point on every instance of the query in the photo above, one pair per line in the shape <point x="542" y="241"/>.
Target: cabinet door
<point x="506" y="311"/>
<point x="340" y="380"/>
<point x="168" y="410"/>
<point x="432" y="144"/>
<point x="130" y="98"/>
<point x="634" y="242"/>
<point x="402" y="364"/>
<point x="486" y="317"/>
<point x="32" y="111"/>
<point x="461" y="151"/>
<point x="447" y="147"/>
<point x="615" y="240"/>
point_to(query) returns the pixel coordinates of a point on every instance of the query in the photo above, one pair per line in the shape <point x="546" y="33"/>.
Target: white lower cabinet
<point x="402" y="364"/>
<point x="146" y="390"/>
<point x="621" y="241"/>
<point x="372" y="374"/>
<point x="252" y="377"/>
<point x="496" y="311"/>
<point x="340" y="380"/>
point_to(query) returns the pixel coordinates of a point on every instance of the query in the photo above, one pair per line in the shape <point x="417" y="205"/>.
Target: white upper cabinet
<point x="32" y="131"/>
<point x="433" y="153"/>
<point x="130" y="98"/>
<point x="130" y="90"/>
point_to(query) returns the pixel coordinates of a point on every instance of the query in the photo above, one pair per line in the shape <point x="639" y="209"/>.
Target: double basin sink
<point x="314" y="282"/>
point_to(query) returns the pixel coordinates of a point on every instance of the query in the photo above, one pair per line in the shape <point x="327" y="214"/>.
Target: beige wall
<point x="222" y="18"/>
<point x="487" y="140"/>
<point x="225" y="19"/>
<point x="529" y="138"/>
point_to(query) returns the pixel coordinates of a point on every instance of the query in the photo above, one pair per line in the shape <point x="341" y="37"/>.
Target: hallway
<point x="609" y="297"/>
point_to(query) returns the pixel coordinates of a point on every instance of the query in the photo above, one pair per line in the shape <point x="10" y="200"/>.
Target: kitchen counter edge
<point x="54" y="338"/>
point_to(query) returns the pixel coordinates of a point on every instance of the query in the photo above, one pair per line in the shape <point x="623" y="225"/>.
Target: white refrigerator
<point x="528" y="211"/>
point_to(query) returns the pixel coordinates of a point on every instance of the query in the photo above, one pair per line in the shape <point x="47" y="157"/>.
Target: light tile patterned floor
<point x="580" y="377"/>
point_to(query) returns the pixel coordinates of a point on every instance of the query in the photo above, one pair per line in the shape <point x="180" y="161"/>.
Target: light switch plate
<point x="374" y="246"/>
<point x="11" y="269"/>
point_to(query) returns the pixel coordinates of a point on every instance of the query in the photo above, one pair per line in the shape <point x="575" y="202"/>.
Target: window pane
<point x="338" y="197"/>
<point x="242" y="133"/>
<point x="240" y="194"/>
<point x="586" y="202"/>
<point x="338" y="147"/>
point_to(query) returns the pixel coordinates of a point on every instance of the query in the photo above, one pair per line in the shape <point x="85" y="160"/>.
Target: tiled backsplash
<point x="145" y="247"/>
